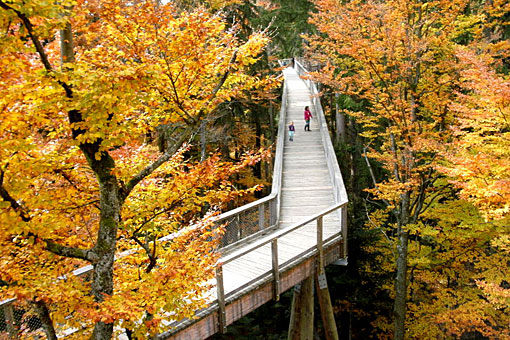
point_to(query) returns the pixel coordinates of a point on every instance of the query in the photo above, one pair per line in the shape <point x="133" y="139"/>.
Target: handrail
<point x="277" y="170"/>
<point x="278" y="234"/>
<point x="273" y="199"/>
<point x="273" y="240"/>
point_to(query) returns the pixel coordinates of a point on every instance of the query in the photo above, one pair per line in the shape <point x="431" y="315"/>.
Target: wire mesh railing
<point x="19" y="321"/>
<point x="255" y="218"/>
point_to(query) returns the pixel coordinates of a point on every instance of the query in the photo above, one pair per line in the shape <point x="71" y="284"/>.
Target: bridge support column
<point x="301" y="318"/>
<point x="328" y="317"/>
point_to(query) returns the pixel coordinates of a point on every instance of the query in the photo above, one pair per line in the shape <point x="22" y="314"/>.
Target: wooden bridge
<point x="298" y="229"/>
<point x="272" y="244"/>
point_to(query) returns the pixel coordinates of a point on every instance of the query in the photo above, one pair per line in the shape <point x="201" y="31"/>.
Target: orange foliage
<point x="76" y="163"/>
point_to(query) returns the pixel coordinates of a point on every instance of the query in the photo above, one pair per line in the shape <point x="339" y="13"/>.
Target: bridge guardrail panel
<point x="244" y="221"/>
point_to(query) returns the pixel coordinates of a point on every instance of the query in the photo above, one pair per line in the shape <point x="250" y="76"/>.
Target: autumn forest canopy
<point x="125" y="121"/>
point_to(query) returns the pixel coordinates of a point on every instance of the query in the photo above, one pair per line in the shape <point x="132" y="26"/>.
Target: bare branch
<point x="372" y="173"/>
<point x="381" y="230"/>
<point x="222" y="81"/>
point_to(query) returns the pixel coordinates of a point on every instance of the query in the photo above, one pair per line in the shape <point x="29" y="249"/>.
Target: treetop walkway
<point x="304" y="230"/>
<point x="273" y="244"/>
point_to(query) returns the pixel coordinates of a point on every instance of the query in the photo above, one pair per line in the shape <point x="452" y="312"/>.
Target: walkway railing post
<point x="220" y="291"/>
<point x="320" y="247"/>
<point x="272" y="212"/>
<point x="276" y="269"/>
<point x="261" y="216"/>
<point x="344" y="230"/>
<point x="238" y="227"/>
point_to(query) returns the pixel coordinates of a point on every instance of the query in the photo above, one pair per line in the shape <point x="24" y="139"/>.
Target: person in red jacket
<point x="308" y="116"/>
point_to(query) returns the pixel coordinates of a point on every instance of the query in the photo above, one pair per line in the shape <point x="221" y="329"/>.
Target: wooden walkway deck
<point x="249" y="280"/>
<point x="306" y="187"/>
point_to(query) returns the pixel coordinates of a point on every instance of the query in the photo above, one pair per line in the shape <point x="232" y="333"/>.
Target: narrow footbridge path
<point x="276" y="242"/>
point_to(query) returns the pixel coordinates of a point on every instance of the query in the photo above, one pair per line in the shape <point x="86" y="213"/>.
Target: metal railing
<point x="250" y="220"/>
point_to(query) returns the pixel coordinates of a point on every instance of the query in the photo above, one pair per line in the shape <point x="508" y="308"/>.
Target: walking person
<point x="291" y="131"/>
<point x="308" y="116"/>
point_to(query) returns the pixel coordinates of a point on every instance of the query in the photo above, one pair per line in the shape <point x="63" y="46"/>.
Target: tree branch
<point x="432" y="199"/>
<point x="52" y="246"/>
<point x="391" y="243"/>
<point x="101" y="167"/>
<point x="37" y="43"/>
<point x="25" y="217"/>
<point x="372" y="174"/>
<point x="152" y="167"/>
<point x="150" y="254"/>
<point x="30" y="29"/>
<point x="77" y="253"/>
<point x="44" y="315"/>
<point x="222" y="81"/>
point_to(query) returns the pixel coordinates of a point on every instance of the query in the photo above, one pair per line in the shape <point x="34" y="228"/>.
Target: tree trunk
<point x="66" y="44"/>
<point x="353" y="158"/>
<point x="257" y="169"/>
<point x="110" y="205"/>
<point x="401" y="287"/>
<point x="340" y="123"/>
<point x="400" y="305"/>
<point x="271" y="123"/>
<point x="102" y="281"/>
<point x="202" y="140"/>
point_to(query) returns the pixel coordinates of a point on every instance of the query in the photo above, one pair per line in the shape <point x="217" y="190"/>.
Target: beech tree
<point x="397" y="56"/>
<point x="479" y="158"/>
<point x="84" y="86"/>
<point x="477" y="163"/>
<point x="435" y="117"/>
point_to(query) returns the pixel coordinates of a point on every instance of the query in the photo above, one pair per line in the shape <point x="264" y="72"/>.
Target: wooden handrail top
<point x="248" y="206"/>
<point x="277" y="234"/>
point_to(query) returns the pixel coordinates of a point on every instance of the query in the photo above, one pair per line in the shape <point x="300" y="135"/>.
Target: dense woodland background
<point x="123" y="122"/>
